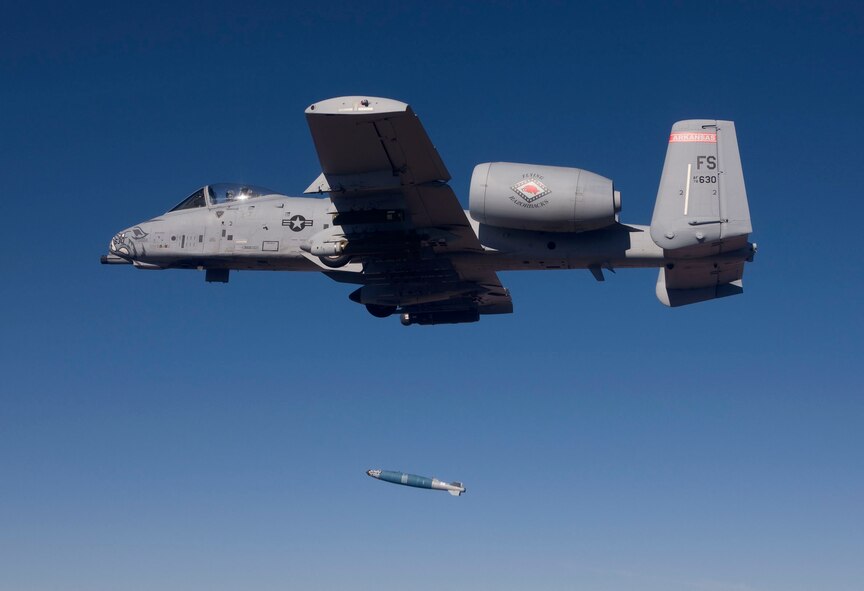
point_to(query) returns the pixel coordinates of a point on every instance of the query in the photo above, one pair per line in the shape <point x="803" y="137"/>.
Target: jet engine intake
<point x="543" y="198"/>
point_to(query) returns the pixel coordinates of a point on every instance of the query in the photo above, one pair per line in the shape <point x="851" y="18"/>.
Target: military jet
<point x="381" y="216"/>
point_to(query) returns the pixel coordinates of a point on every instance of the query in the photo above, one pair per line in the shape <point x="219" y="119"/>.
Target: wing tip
<point x="356" y="105"/>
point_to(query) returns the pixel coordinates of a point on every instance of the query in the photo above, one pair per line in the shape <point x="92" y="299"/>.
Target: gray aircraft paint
<point x="383" y="217"/>
<point x="701" y="204"/>
<point x="560" y="199"/>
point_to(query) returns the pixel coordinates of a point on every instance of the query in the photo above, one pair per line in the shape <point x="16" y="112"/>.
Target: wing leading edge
<point x="396" y="213"/>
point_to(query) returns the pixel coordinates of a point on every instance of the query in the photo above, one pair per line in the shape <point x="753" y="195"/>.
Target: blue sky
<point x="160" y="432"/>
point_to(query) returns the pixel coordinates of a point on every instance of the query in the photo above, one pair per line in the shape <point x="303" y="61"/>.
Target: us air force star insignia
<point x="219" y="213"/>
<point x="297" y="223"/>
<point x="530" y="189"/>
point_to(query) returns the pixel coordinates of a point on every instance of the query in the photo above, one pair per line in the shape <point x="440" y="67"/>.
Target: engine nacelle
<point x="544" y="198"/>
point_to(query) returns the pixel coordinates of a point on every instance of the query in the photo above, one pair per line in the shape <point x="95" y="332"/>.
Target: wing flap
<point x="491" y="297"/>
<point x="436" y="206"/>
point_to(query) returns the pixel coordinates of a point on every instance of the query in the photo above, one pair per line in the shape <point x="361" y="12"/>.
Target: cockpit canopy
<point x="221" y="193"/>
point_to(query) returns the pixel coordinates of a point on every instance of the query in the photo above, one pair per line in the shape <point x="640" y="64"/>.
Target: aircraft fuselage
<point x="268" y="233"/>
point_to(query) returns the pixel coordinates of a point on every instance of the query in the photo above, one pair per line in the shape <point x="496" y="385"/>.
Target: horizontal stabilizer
<point x="455" y="493"/>
<point x="690" y="283"/>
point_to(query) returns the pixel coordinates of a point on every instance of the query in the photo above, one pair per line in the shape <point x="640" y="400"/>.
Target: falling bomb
<point x="454" y="488"/>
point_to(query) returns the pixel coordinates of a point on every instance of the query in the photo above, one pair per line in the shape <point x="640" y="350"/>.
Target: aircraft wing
<point x="358" y="136"/>
<point x="392" y="205"/>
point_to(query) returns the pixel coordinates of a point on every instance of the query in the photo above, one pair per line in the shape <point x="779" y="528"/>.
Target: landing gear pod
<point x="379" y="311"/>
<point x="329" y="248"/>
<point x="335" y="262"/>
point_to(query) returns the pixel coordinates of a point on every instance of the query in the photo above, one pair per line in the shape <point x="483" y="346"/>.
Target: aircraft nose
<point x="126" y="244"/>
<point x="119" y="244"/>
<point x="115" y="244"/>
<point x="118" y="251"/>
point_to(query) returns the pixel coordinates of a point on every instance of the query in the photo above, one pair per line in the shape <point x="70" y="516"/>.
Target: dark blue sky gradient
<point x="160" y="432"/>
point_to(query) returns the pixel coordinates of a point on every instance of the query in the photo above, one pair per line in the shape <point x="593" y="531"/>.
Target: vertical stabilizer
<point x="701" y="206"/>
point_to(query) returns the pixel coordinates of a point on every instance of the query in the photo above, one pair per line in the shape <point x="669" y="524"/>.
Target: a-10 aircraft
<point x="383" y="217"/>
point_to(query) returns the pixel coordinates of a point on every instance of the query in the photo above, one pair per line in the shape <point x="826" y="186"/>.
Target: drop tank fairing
<point x="542" y="198"/>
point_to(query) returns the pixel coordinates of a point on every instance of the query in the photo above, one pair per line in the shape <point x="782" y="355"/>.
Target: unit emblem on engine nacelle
<point x="530" y="189"/>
